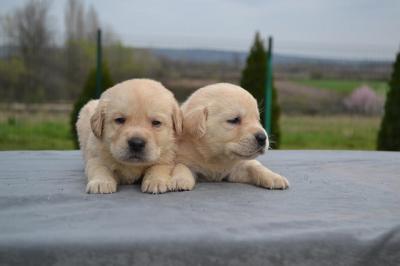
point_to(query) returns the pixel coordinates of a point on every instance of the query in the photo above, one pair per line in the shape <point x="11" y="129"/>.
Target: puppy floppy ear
<point x="194" y="122"/>
<point x="177" y="118"/>
<point x="97" y="119"/>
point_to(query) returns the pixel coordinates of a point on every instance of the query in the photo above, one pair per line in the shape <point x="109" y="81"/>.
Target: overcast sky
<point x="364" y="29"/>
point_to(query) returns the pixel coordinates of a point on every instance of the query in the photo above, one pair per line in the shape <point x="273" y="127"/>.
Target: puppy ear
<point x="194" y="122"/>
<point x="177" y="118"/>
<point x="97" y="119"/>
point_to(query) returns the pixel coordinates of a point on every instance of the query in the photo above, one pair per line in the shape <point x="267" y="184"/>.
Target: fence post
<point x="268" y="89"/>
<point x="99" y="71"/>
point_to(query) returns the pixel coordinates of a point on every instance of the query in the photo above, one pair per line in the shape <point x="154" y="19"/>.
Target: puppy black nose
<point x="136" y="144"/>
<point x="261" y="138"/>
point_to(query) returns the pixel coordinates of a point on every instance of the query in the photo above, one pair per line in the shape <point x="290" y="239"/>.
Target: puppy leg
<point x="100" y="178"/>
<point x="156" y="179"/>
<point x="253" y="172"/>
<point x="182" y="178"/>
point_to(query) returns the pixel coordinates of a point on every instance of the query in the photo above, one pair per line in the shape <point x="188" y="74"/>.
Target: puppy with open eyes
<point x="128" y="133"/>
<point x="221" y="137"/>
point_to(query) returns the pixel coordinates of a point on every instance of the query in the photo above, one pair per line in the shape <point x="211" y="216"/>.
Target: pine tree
<point x="88" y="93"/>
<point x="253" y="80"/>
<point x="389" y="133"/>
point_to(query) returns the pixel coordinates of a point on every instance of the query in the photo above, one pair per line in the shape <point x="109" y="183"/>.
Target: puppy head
<point x="224" y="119"/>
<point x="137" y="120"/>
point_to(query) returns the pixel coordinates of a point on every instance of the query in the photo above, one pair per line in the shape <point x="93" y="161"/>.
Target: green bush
<point x="88" y="93"/>
<point x="253" y="80"/>
<point x="389" y="133"/>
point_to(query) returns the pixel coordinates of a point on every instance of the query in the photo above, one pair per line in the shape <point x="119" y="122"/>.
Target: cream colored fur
<point x="104" y="142"/>
<point x="215" y="149"/>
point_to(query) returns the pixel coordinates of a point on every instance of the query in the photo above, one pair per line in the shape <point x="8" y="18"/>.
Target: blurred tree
<point x="389" y="133"/>
<point x="254" y="78"/>
<point x="11" y="72"/>
<point x="79" y="23"/>
<point x="34" y="68"/>
<point x="121" y="56"/>
<point x="76" y="62"/>
<point x="88" y="93"/>
<point x="81" y="27"/>
<point x="128" y="62"/>
<point x="74" y="20"/>
<point x="92" y="23"/>
<point x="28" y="29"/>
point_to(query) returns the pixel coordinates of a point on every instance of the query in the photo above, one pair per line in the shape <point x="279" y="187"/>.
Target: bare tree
<point x="81" y="26"/>
<point x="79" y="23"/>
<point x="75" y="61"/>
<point x="28" y="30"/>
<point x="92" y="23"/>
<point x="74" y="20"/>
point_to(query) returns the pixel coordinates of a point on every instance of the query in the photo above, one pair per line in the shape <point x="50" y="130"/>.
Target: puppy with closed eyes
<point x="222" y="136"/>
<point x="130" y="133"/>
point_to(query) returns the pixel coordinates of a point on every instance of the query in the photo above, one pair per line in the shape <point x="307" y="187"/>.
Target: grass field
<point x="330" y="132"/>
<point x="38" y="135"/>
<point x="298" y="132"/>
<point x="343" y="86"/>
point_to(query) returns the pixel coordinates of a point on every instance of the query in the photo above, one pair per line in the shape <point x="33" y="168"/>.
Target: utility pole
<point x="99" y="63"/>
<point x="268" y="89"/>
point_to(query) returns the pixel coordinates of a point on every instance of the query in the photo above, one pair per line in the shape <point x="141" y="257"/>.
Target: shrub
<point x="364" y="101"/>
<point x="88" y="93"/>
<point x="389" y="133"/>
<point x="253" y="80"/>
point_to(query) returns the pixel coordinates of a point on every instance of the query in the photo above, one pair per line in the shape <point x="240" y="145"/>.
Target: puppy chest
<point x="128" y="175"/>
<point x="213" y="176"/>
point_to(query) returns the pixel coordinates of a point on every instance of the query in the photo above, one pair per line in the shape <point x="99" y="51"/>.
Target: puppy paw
<point x="101" y="186"/>
<point x="181" y="183"/>
<point x="154" y="185"/>
<point x="274" y="182"/>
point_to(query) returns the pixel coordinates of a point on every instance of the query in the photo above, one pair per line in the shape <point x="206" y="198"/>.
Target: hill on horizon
<point x="199" y="55"/>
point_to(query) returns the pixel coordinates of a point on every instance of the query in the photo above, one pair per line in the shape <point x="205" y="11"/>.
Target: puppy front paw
<point x="274" y="181"/>
<point x="154" y="185"/>
<point x="101" y="186"/>
<point x="181" y="183"/>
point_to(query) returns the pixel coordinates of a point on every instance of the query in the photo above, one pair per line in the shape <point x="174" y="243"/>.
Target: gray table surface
<point x="343" y="208"/>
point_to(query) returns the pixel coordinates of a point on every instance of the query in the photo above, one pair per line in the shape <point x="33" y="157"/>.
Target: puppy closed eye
<point x="234" y="121"/>
<point x="120" y="120"/>
<point x="156" y="123"/>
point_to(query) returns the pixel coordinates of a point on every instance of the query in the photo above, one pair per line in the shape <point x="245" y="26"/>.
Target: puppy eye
<point x="120" y="120"/>
<point x="234" y="121"/>
<point x="156" y="123"/>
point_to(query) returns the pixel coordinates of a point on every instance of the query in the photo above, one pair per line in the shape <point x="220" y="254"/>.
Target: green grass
<point x="343" y="86"/>
<point x="330" y="132"/>
<point x="298" y="132"/>
<point x="43" y="135"/>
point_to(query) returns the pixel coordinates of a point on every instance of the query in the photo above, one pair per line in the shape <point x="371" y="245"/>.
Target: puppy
<point x="130" y="132"/>
<point x="221" y="137"/>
